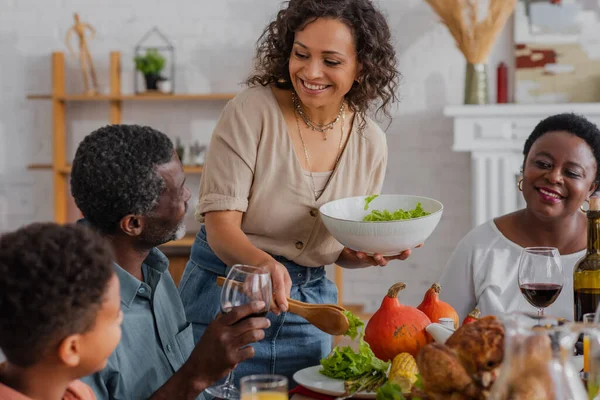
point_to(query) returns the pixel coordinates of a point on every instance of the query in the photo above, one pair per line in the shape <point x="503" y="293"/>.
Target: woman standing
<point x="297" y="138"/>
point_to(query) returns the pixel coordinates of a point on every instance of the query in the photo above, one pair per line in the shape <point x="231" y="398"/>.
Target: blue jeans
<point x="290" y="343"/>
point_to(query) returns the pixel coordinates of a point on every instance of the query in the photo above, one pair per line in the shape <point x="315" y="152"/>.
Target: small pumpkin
<point x="472" y="317"/>
<point x="435" y="308"/>
<point x="396" y="328"/>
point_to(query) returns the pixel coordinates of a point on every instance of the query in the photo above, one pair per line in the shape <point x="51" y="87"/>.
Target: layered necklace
<point x="323" y="128"/>
<point x="342" y="116"/>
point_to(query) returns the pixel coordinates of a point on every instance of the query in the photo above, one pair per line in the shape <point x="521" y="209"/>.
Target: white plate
<point x="312" y="379"/>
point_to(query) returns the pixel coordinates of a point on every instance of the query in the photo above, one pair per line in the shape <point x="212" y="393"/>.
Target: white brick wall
<point x="214" y="43"/>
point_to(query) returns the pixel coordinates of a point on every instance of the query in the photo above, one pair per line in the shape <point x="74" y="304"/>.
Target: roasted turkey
<point x="467" y="365"/>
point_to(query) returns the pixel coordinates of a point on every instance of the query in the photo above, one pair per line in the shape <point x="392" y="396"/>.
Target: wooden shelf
<point x="39" y="166"/>
<point x="193" y="169"/>
<point x="134" y="97"/>
<point x="188" y="169"/>
<point x="39" y="97"/>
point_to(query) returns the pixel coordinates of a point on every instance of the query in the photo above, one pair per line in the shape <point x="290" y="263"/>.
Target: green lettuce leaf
<point x="344" y="363"/>
<point x="355" y="323"/>
<point x="392" y="391"/>
<point x="419" y="383"/>
<point x="369" y="199"/>
<point x="389" y="391"/>
<point x="399" y="214"/>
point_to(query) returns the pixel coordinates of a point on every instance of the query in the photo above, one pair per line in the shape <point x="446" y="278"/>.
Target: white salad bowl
<point x="343" y="218"/>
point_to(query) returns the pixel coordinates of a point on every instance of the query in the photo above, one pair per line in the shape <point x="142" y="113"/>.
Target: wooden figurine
<point x="85" y="58"/>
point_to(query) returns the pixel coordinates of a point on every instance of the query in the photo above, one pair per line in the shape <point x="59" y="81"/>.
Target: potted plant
<point x="150" y="65"/>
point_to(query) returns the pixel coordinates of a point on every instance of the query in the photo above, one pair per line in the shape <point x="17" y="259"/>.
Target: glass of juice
<point x="587" y="319"/>
<point x="591" y="353"/>
<point x="264" y="387"/>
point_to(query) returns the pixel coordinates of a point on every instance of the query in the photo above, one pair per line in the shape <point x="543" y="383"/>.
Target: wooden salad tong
<point x="329" y="318"/>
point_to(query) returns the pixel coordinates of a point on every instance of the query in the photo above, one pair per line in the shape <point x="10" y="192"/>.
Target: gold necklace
<point x="323" y="128"/>
<point x="312" y="179"/>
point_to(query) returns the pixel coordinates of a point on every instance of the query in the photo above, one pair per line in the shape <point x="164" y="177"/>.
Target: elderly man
<point x="129" y="184"/>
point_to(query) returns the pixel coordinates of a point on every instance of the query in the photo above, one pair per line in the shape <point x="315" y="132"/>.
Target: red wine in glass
<point x="244" y="284"/>
<point x="541" y="295"/>
<point x="260" y="314"/>
<point x="540" y="276"/>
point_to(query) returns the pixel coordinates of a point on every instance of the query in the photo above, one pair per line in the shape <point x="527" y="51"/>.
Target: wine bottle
<point x="586" y="274"/>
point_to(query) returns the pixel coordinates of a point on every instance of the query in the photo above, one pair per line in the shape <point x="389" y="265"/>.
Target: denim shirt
<point x="156" y="341"/>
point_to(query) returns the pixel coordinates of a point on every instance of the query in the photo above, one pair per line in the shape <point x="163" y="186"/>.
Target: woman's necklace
<point x="312" y="179"/>
<point x="323" y="128"/>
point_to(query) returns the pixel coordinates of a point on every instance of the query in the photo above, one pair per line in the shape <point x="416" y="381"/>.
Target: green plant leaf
<point x="150" y="64"/>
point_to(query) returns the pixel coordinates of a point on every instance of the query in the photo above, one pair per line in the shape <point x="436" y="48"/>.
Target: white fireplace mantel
<point x="495" y="135"/>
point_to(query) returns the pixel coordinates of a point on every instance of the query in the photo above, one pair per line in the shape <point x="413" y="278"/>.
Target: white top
<point x="483" y="272"/>
<point x="320" y="179"/>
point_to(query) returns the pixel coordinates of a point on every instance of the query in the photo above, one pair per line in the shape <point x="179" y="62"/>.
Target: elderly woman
<point x="560" y="172"/>
<point x="297" y="138"/>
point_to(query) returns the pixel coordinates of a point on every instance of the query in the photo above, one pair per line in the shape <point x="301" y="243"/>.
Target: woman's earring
<point x="583" y="210"/>
<point x="520" y="185"/>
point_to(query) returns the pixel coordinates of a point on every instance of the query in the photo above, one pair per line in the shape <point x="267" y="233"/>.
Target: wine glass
<point x="244" y="284"/>
<point x="540" y="276"/>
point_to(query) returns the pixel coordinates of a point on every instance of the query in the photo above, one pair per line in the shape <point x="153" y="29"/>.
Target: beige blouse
<point x="320" y="179"/>
<point x="251" y="167"/>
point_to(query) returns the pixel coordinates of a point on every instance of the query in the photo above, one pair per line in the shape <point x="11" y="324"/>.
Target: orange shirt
<point x="77" y="390"/>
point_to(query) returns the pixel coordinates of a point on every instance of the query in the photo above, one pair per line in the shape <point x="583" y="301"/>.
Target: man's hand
<point x="225" y="343"/>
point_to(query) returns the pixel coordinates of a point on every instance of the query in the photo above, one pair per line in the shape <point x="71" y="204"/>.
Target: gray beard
<point x="180" y="232"/>
<point x="154" y="240"/>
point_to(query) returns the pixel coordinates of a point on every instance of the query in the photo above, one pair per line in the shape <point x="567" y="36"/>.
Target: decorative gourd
<point x="472" y="317"/>
<point x="435" y="308"/>
<point x="396" y="328"/>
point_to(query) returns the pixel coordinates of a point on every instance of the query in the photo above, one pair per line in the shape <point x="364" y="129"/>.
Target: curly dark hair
<point x="576" y="125"/>
<point x="53" y="283"/>
<point x="114" y="173"/>
<point x="372" y="37"/>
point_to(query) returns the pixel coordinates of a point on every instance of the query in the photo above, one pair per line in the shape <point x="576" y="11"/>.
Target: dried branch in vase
<point x="474" y="36"/>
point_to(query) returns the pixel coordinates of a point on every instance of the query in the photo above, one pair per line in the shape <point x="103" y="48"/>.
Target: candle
<point x="502" y="83"/>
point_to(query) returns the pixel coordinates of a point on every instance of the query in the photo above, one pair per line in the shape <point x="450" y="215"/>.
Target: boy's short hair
<point x="52" y="284"/>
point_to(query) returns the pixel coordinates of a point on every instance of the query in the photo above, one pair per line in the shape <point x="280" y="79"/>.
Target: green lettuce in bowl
<point x="385" y="215"/>
<point x="384" y="224"/>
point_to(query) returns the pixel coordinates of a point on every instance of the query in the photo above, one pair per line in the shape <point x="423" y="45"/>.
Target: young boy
<point x="60" y="315"/>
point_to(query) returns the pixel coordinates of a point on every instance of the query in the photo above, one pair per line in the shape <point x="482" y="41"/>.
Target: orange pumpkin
<point x="396" y="328"/>
<point x="435" y="308"/>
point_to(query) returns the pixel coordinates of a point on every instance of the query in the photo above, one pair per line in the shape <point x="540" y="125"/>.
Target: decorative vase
<point x="164" y="86"/>
<point x="476" y="91"/>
